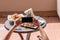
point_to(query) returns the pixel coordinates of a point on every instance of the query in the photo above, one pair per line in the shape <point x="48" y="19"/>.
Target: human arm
<point x="8" y="35"/>
<point x="42" y="32"/>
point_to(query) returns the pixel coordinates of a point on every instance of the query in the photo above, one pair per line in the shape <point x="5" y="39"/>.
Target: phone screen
<point x="27" y="19"/>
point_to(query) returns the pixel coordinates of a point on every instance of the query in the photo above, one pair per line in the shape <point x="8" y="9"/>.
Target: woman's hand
<point x="18" y="22"/>
<point x="35" y="22"/>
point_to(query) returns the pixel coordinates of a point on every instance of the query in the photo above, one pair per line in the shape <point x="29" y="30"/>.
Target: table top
<point x="23" y="29"/>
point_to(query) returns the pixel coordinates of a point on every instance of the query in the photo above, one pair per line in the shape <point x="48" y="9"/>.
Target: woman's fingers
<point x="35" y="22"/>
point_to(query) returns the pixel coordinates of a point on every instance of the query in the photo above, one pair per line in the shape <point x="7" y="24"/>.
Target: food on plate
<point x="15" y="17"/>
<point x="26" y="24"/>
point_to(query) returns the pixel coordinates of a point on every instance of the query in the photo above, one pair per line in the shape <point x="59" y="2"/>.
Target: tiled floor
<point x="52" y="29"/>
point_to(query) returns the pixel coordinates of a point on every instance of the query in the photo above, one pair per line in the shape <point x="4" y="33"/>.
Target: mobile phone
<point x="27" y="19"/>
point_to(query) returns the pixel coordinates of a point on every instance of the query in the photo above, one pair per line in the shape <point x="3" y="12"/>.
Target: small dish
<point x="32" y="26"/>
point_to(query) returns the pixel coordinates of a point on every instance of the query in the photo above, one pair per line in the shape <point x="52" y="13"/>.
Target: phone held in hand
<point x="28" y="22"/>
<point x="27" y="19"/>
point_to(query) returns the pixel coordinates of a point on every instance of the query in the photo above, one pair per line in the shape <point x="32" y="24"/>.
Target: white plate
<point x="30" y="26"/>
<point x="9" y="16"/>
